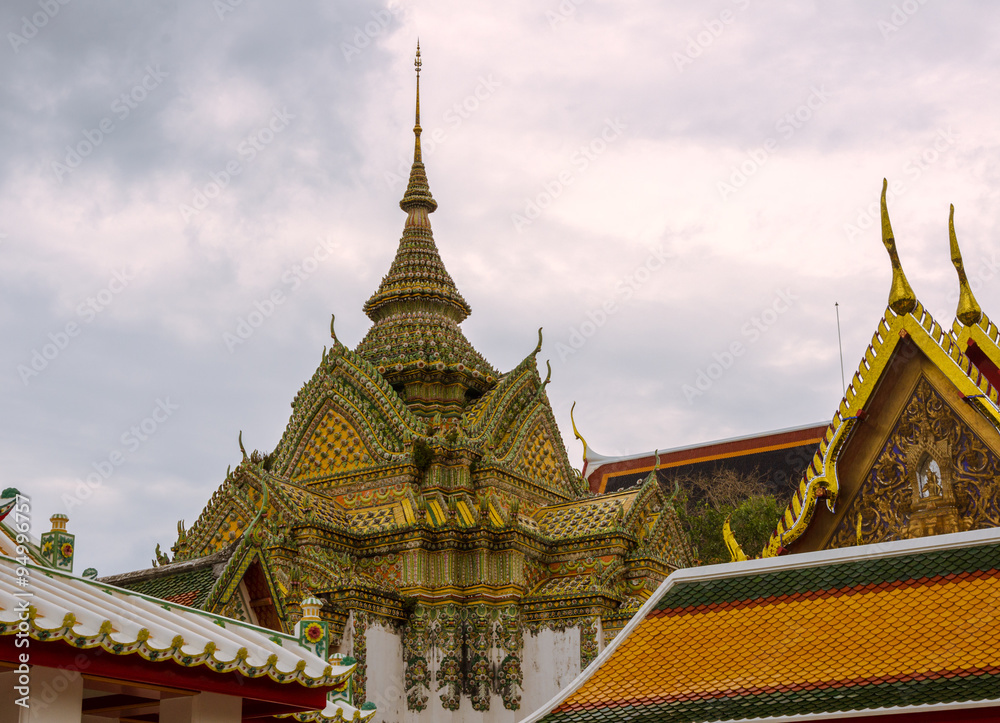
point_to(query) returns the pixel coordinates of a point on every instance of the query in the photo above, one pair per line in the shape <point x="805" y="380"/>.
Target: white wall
<point x="385" y="674"/>
<point x="551" y="659"/>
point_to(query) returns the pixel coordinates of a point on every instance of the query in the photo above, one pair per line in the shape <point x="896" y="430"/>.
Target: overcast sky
<point x="656" y="184"/>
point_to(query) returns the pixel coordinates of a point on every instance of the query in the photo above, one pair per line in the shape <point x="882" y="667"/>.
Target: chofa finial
<point x="901" y="296"/>
<point x="969" y="312"/>
<point x="576" y="432"/>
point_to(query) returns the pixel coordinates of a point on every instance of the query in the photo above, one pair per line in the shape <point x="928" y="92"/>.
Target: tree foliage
<point x="707" y="500"/>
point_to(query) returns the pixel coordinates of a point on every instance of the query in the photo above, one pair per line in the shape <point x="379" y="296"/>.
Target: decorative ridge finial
<point x="736" y="553"/>
<point x="901" y="296"/>
<point x="576" y="432"/>
<point x="418" y="191"/>
<point x="969" y="312"/>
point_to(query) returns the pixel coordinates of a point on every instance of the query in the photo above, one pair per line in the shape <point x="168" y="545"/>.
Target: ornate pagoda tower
<point x="427" y="502"/>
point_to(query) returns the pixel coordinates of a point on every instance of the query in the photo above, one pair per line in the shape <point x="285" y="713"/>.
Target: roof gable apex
<point x="820" y="480"/>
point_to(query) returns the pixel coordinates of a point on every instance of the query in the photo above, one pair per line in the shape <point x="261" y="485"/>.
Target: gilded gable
<point x="933" y="475"/>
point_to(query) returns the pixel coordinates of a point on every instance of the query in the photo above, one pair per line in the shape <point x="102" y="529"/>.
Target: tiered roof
<point x="900" y="627"/>
<point x="160" y="642"/>
<point x="417" y="307"/>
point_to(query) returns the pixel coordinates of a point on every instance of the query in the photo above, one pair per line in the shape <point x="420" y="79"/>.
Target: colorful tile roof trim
<point x="88" y="614"/>
<point x="899" y="626"/>
<point x="184" y="583"/>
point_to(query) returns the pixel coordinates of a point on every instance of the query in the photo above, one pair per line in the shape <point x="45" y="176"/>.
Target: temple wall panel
<point x="385" y="675"/>
<point x="551" y="659"/>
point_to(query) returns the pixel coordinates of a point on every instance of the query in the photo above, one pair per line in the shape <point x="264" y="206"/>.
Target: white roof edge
<point x="869" y="712"/>
<point x="107" y="587"/>
<point x="777" y="564"/>
<point x="596" y="461"/>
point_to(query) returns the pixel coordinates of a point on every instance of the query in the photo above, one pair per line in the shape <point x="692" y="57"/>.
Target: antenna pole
<point x="840" y="343"/>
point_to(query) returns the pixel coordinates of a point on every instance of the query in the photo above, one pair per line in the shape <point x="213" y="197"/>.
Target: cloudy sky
<point x="656" y="184"/>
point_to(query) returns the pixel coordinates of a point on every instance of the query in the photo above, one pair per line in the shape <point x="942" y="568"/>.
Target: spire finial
<point x="901" y="296"/>
<point x="416" y="126"/>
<point x="418" y="192"/>
<point x="969" y="312"/>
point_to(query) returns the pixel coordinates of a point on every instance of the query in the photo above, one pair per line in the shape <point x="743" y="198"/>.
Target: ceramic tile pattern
<point x="891" y="631"/>
<point x="186" y="588"/>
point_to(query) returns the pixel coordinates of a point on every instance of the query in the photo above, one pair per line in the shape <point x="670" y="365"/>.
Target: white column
<point x="56" y="697"/>
<point x="202" y="708"/>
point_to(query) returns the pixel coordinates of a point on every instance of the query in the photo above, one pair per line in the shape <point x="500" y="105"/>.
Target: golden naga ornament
<point x="736" y="553"/>
<point x="969" y="312"/>
<point x="902" y="300"/>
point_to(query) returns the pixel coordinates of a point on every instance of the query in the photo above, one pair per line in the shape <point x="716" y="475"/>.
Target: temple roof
<point x="967" y="357"/>
<point x="779" y="457"/>
<point x="87" y="614"/>
<point x="186" y="583"/>
<point x="891" y="628"/>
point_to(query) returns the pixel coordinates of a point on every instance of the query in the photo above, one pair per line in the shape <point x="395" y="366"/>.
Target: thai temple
<point x="427" y="499"/>
<point x="420" y="530"/>
<point x="877" y="596"/>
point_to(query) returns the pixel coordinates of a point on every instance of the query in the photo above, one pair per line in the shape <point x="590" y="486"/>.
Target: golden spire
<point x="969" y="312"/>
<point x="901" y="296"/>
<point x="418" y="191"/>
<point x="417" y="156"/>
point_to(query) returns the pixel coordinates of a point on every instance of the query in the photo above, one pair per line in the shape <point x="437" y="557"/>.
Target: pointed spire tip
<point x="968" y="312"/>
<point x="902" y="300"/>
